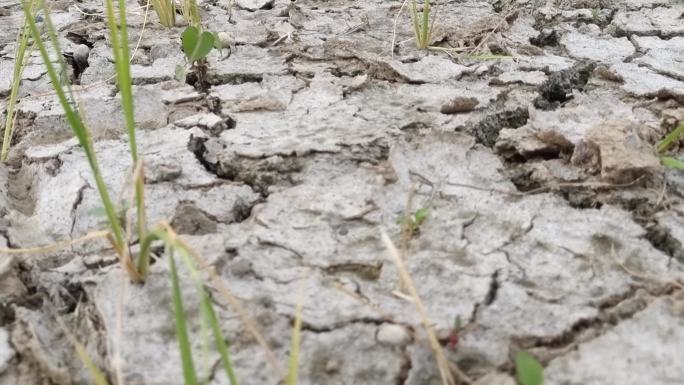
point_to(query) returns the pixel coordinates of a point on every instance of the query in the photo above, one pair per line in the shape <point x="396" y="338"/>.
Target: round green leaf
<point x="196" y="46"/>
<point x="189" y="39"/>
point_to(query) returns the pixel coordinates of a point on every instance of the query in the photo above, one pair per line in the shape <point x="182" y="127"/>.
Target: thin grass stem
<point x="671" y="138"/>
<point x="189" y="374"/>
<point x="20" y="60"/>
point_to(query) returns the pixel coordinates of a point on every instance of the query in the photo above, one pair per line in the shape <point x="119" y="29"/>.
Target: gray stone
<point x="393" y="335"/>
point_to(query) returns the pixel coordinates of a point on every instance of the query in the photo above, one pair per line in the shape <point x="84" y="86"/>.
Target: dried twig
<point x="442" y="362"/>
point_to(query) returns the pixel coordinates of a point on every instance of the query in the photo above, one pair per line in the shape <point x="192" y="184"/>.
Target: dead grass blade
<point x="293" y="366"/>
<point x="407" y="282"/>
<point x="98" y="377"/>
<point x="56" y="246"/>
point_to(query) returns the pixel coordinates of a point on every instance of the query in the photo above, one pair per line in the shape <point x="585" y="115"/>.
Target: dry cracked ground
<point x="552" y="227"/>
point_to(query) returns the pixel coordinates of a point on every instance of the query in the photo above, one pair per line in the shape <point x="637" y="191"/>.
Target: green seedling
<point x="595" y="14"/>
<point x="166" y="11"/>
<point x="197" y="45"/>
<point x="667" y="142"/>
<point x="528" y="371"/>
<point x="422" y="26"/>
<point x="21" y="56"/>
<point x="414" y="221"/>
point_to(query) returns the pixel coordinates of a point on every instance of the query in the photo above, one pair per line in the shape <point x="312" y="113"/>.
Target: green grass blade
<point x="672" y="163"/>
<point x="416" y="22"/>
<point x="123" y="71"/>
<point x="210" y="315"/>
<point x="20" y="59"/>
<point x="221" y="344"/>
<point x="189" y="373"/>
<point x="166" y="11"/>
<point x="425" y="32"/>
<point x="95" y="372"/>
<point x="191" y="12"/>
<point x="293" y="366"/>
<point x="671" y="138"/>
<point x="119" y="38"/>
<point x="72" y="115"/>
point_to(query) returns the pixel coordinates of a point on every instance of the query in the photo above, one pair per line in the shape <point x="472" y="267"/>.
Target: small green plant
<point x="667" y="142"/>
<point x="196" y="45"/>
<point x="166" y="11"/>
<point x="20" y="59"/>
<point x="422" y="26"/>
<point x="413" y="222"/>
<point x="595" y="14"/>
<point x="528" y="371"/>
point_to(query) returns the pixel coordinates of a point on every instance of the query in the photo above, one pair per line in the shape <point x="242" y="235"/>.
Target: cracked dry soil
<point x="552" y="227"/>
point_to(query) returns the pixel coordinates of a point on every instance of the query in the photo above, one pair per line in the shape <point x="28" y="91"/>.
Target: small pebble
<point x="81" y="54"/>
<point x="394" y="335"/>
<point x="164" y="172"/>
<point x="459" y="105"/>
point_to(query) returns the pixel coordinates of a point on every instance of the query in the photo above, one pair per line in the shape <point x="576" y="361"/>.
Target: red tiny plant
<point x="452" y="343"/>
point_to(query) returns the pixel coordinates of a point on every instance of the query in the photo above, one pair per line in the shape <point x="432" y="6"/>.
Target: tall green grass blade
<point x="166" y="11"/>
<point x="425" y="31"/>
<point x="221" y="344"/>
<point x="95" y="372"/>
<point x="189" y="373"/>
<point x="672" y="163"/>
<point x="209" y="315"/>
<point x="416" y="22"/>
<point x="119" y="38"/>
<point x="20" y="60"/>
<point x="191" y="12"/>
<point x="120" y="48"/>
<point x="293" y="366"/>
<point x="671" y="138"/>
<point x="72" y="115"/>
